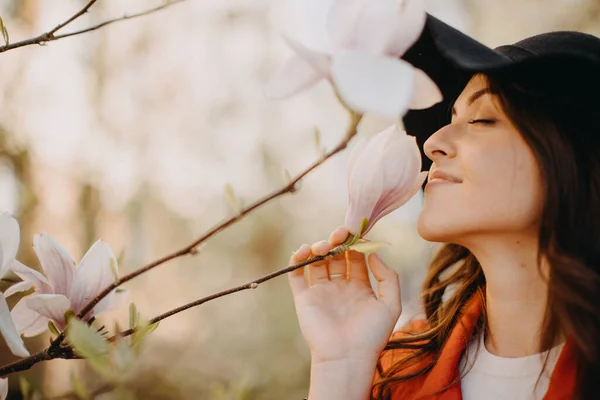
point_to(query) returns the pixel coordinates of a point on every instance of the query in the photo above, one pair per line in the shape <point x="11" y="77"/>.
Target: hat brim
<point x="450" y="58"/>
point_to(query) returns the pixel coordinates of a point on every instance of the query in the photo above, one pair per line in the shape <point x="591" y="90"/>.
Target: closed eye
<point x="481" y="121"/>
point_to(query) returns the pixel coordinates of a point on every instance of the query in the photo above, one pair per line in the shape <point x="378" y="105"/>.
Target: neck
<point x="516" y="294"/>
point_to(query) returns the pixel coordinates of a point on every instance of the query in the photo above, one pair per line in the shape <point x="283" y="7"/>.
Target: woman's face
<point x="484" y="179"/>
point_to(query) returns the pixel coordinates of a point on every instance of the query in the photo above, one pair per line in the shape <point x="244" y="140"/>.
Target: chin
<point x="435" y="230"/>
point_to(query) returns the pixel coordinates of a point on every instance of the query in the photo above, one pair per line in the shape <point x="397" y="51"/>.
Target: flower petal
<point x="376" y="25"/>
<point x="27" y="321"/>
<point x="18" y="287"/>
<point x="9" y="241"/>
<point x="56" y="262"/>
<point x="398" y="201"/>
<point x="426" y="93"/>
<point x="320" y="62"/>
<point x="93" y="274"/>
<point x="52" y="306"/>
<point x="3" y="388"/>
<point x="111" y="302"/>
<point x="341" y="22"/>
<point x="357" y="150"/>
<point x="9" y="330"/>
<point x="409" y="25"/>
<point x="309" y="23"/>
<point x="401" y="166"/>
<point x="365" y="180"/>
<point x="380" y="84"/>
<point x="31" y="275"/>
<point x="295" y="76"/>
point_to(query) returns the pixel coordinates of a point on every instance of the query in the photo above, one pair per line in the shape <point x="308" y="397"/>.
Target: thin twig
<point x="123" y="18"/>
<point x="50" y="36"/>
<point x="290" y="187"/>
<point x="250" y="285"/>
<point x="50" y="354"/>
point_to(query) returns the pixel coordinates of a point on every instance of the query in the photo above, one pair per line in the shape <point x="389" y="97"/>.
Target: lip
<point x="439" y="177"/>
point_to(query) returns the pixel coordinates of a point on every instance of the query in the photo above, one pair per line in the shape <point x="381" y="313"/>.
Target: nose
<point x="440" y="144"/>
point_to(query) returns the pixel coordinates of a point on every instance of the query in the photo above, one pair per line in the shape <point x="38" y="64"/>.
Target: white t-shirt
<point x="499" y="378"/>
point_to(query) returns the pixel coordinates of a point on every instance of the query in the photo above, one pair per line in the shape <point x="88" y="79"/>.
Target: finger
<point x="357" y="266"/>
<point x="317" y="271"/>
<point x="338" y="236"/>
<point x="337" y="264"/>
<point x="296" y="277"/>
<point x="388" y="286"/>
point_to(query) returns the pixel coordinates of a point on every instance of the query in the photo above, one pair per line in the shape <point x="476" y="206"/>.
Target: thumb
<point x="388" y="284"/>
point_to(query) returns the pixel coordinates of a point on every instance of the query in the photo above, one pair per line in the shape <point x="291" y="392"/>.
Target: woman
<point x="512" y="301"/>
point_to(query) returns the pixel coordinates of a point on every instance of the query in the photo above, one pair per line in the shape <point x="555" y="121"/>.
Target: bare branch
<point x="250" y="285"/>
<point x="73" y="18"/>
<point x="289" y="188"/>
<point x="57" y="350"/>
<point x="51" y="36"/>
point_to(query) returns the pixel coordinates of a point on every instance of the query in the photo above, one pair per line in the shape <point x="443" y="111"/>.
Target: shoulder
<point x="393" y="356"/>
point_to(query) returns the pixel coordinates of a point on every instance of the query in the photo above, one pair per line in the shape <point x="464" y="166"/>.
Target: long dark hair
<point x="555" y="106"/>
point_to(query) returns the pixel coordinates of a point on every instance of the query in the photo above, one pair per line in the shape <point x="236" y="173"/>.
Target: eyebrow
<point x="473" y="98"/>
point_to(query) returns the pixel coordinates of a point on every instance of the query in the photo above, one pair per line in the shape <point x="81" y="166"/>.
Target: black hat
<point x="451" y="58"/>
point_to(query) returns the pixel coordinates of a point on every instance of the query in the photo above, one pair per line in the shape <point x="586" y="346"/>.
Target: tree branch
<point x="190" y="249"/>
<point x="51" y="36"/>
<point x="57" y="350"/>
<point x="52" y="352"/>
<point x="250" y="285"/>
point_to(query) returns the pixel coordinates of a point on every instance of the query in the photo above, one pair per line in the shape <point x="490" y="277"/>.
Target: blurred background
<point x="130" y="133"/>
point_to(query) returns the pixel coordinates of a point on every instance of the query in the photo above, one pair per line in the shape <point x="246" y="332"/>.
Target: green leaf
<point x="123" y="355"/>
<point x="133" y="316"/>
<point x="68" y="315"/>
<point x="79" y="389"/>
<point x="25" y="387"/>
<point x="232" y="199"/>
<point x="318" y="144"/>
<point x="113" y="270"/>
<point x="141" y="332"/>
<point x="88" y="343"/>
<point x="351" y="239"/>
<point x="365" y="246"/>
<point x="53" y="329"/>
<point x="4" y="32"/>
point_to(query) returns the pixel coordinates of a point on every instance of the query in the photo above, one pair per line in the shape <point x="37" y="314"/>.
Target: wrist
<point x="344" y="379"/>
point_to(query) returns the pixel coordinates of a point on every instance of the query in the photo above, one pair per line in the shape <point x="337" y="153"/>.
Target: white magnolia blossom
<point x="384" y="172"/>
<point x="65" y="285"/>
<point x="9" y="245"/>
<point x="360" y="43"/>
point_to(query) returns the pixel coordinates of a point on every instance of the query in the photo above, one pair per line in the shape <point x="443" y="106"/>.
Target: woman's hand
<point x="341" y="317"/>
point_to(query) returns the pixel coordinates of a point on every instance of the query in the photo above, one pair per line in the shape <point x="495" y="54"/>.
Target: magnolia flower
<point x="357" y="44"/>
<point x="9" y="244"/>
<point x="383" y="174"/>
<point x="66" y="286"/>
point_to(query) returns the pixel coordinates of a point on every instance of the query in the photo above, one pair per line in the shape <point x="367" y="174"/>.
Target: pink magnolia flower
<point x="66" y="285"/>
<point x="383" y="174"/>
<point x="357" y="44"/>
<point x="9" y="244"/>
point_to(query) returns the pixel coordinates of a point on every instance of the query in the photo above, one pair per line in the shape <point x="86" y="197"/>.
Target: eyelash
<point x="481" y="121"/>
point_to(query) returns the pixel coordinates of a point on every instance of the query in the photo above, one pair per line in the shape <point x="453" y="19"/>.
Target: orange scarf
<point x="446" y="370"/>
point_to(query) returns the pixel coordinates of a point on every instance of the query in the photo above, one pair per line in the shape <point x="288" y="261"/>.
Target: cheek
<point x="500" y="192"/>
